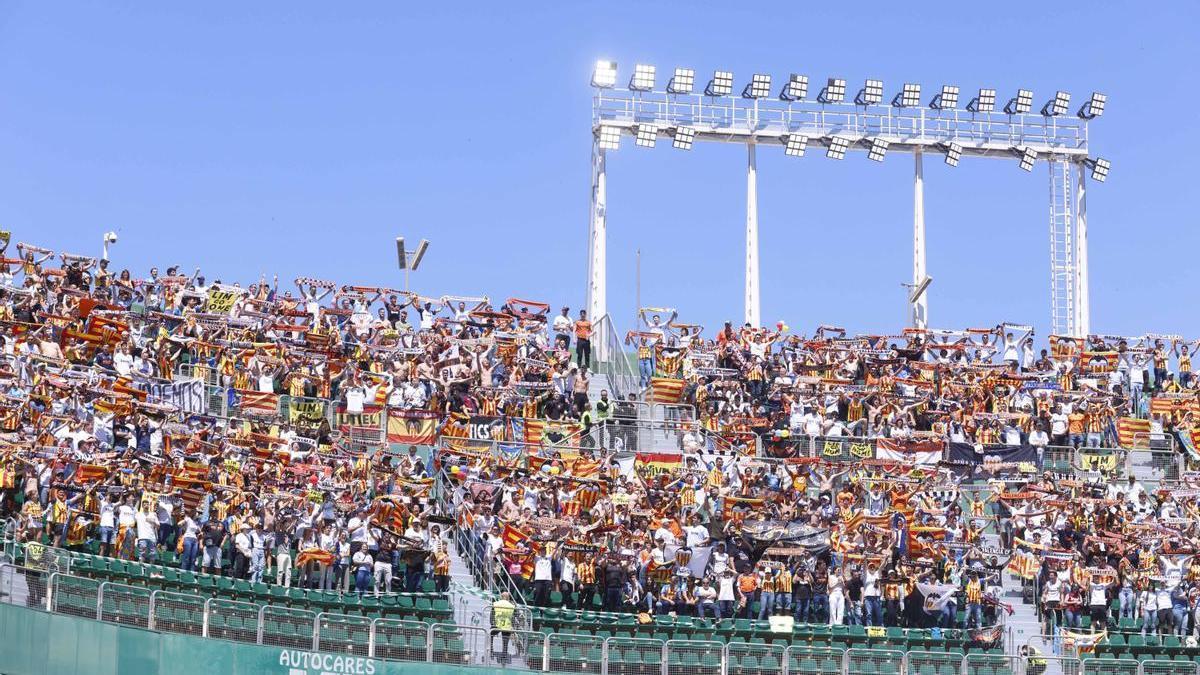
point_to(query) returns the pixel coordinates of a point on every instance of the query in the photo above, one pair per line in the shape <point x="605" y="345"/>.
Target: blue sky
<point x="301" y="138"/>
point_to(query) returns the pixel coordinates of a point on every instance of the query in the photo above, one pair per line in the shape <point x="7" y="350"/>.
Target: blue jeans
<point x="725" y="609"/>
<point x="819" y="609"/>
<point x="1072" y="619"/>
<point x="766" y="603"/>
<point x="145" y="550"/>
<point x="645" y="371"/>
<point x="802" y="606"/>
<point x="1149" y="620"/>
<point x="712" y="608"/>
<point x="1180" y="617"/>
<point x="362" y="580"/>
<point x="783" y="602"/>
<point x="872" y="611"/>
<point x="187" y="561"/>
<point x="975" y="612"/>
<point x="948" y="615"/>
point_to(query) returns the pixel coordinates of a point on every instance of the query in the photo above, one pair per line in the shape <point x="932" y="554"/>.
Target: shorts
<point x="108" y="535"/>
<point x="212" y="557"/>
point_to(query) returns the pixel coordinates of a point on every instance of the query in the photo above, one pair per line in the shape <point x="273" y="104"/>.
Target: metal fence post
<point x="207" y="610"/>
<point x="100" y="601"/>
<point x="371" y="638"/>
<point x="259" y="638"/>
<point x="150" y="618"/>
<point x="316" y="636"/>
<point x="429" y="643"/>
<point x="49" y="592"/>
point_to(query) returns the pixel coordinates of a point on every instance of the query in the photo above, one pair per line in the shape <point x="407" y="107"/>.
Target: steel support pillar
<point x="919" y="305"/>
<point x="1083" y="310"/>
<point x="753" y="306"/>
<point x="597" y="287"/>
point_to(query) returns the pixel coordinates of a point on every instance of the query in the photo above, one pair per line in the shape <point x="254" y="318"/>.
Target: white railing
<point x="396" y="639"/>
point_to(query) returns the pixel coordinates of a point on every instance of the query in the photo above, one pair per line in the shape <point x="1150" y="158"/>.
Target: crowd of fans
<point x="877" y="480"/>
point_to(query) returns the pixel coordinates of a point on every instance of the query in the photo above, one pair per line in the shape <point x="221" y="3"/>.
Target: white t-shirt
<point x="147" y="526"/>
<point x="125" y="515"/>
<point x="543" y="569"/>
<point x="696" y="534"/>
<point x="107" y="515"/>
<point x="725" y="592"/>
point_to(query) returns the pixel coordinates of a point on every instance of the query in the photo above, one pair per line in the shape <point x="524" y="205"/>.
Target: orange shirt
<point x="583" y="329"/>
<point x="747" y="583"/>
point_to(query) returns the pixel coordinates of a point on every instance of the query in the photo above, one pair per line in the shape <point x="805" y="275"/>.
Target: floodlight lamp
<point x="1094" y="106"/>
<point x="643" y="78"/>
<point x="419" y="255"/>
<point x="646" y="136"/>
<point x="682" y="82"/>
<point x="947" y="99"/>
<point x="1021" y="104"/>
<point x="759" y="87"/>
<point x="609" y="138"/>
<point x="795" y="89"/>
<point x="953" y="153"/>
<point x="604" y="76"/>
<point x="1100" y="168"/>
<point x="871" y="93"/>
<point x="837" y="147"/>
<point x="1028" y="158"/>
<point x="985" y="102"/>
<point x="909" y="96"/>
<point x="1057" y="105"/>
<point x="794" y="145"/>
<point x="684" y="137"/>
<point x="834" y="91"/>
<point x="721" y="84"/>
<point x="878" y="149"/>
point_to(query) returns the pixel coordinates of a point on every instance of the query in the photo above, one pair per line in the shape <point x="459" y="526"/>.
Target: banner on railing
<point x="187" y="395"/>
<point x="257" y="402"/>
<point x="306" y="412"/>
<point x="412" y="427"/>
<point x="371" y="416"/>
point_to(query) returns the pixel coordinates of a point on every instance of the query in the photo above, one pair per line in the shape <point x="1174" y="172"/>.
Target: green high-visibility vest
<point x="502" y="614"/>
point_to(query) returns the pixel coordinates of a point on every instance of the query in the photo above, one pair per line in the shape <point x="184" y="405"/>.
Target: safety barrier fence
<point x="610" y="358"/>
<point x="414" y="641"/>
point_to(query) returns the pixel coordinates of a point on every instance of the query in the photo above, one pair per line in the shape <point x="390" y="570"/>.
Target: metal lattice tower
<point x="1062" y="251"/>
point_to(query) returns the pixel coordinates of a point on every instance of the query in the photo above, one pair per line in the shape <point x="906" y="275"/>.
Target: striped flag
<point x="1170" y="406"/>
<point x="258" y="402"/>
<point x="1024" y="565"/>
<point x="1128" y="428"/>
<point x="511" y="536"/>
<point x="90" y="472"/>
<point x="666" y="390"/>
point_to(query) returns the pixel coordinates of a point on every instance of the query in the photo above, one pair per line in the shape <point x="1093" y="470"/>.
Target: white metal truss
<point x="1062" y="251"/>
<point x="1061" y="140"/>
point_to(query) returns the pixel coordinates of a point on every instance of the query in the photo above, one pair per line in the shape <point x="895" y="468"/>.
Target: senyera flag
<point x="258" y="402"/>
<point x="666" y="390"/>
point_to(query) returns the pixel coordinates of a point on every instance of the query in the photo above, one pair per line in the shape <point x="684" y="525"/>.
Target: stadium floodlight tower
<point x="868" y="123"/>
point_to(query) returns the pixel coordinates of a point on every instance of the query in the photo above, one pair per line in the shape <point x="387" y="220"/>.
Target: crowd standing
<point x="934" y="493"/>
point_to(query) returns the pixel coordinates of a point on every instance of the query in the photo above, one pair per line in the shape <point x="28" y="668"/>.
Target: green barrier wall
<point x="38" y="643"/>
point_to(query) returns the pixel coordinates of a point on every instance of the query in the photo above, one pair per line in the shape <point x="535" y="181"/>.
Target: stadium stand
<point x="304" y="468"/>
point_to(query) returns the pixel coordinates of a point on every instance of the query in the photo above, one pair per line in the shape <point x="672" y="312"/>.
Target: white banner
<point x="187" y="395"/>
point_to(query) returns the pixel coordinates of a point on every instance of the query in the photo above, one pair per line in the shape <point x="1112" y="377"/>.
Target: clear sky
<point x="301" y="138"/>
